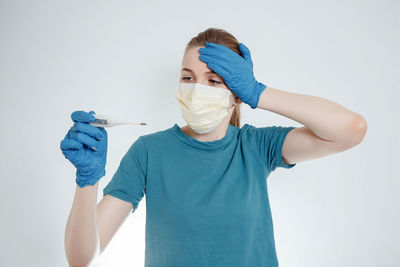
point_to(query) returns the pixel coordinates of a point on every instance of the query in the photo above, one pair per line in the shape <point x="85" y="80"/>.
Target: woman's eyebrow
<point x="189" y="70"/>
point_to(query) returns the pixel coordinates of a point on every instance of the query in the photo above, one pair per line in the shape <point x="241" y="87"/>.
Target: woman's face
<point x="196" y="71"/>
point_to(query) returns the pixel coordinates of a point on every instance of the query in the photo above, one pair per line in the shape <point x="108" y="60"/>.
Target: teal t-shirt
<point x="206" y="202"/>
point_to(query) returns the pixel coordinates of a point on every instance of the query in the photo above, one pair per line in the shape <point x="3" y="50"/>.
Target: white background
<point x="122" y="58"/>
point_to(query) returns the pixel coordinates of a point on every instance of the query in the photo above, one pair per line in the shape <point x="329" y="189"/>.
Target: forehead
<point x="191" y="60"/>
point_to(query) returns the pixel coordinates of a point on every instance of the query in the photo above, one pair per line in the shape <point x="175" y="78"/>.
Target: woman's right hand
<point x="85" y="146"/>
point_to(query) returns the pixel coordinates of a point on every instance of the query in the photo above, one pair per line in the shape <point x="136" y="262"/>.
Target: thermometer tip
<point x="143" y="123"/>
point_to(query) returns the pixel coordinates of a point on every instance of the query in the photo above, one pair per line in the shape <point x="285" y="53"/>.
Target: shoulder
<point x="252" y="133"/>
<point x="248" y="130"/>
<point x="251" y="129"/>
<point x="154" y="138"/>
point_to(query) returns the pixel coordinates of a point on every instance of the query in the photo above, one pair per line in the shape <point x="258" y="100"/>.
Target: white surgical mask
<point x="203" y="107"/>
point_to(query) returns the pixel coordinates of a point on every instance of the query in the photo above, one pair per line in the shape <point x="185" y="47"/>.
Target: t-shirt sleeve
<point x="129" y="181"/>
<point x="268" y="142"/>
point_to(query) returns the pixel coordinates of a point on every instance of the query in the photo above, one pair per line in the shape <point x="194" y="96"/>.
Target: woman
<point x="205" y="183"/>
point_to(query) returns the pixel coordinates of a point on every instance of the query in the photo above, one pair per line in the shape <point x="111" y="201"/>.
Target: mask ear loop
<point x="234" y="104"/>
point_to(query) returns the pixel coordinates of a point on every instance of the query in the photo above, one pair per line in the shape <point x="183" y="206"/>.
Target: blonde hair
<point x="222" y="37"/>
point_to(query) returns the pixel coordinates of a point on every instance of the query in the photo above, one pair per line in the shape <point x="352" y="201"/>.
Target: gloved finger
<point x="70" y="153"/>
<point x="103" y="131"/>
<point x="219" y="70"/>
<point x="221" y="63"/>
<point x="222" y="48"/>
<point x="85" y="139"/>
<point x="220" y="55"/>
<point x="216" y="60"/>
<point x="88" y="129"/>
<point x="82" y="116"/>
<point x="68" y="144"/>
<point x="245" y="53"/>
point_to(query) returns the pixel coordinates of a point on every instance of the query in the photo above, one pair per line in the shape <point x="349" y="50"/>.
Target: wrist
<point x="259" y="88"/>
<point x="85" y="179"/>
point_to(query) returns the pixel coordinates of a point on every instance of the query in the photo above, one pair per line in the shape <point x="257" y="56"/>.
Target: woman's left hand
<point x="237" y="71"/>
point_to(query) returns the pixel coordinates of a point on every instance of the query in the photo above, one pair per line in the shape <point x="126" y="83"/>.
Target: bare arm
<point x="90" y="227"/>
<point x="111" y="213"/>
<point x="328" y="126"/>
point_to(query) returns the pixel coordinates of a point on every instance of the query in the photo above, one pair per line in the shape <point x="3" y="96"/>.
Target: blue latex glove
<point x="237" y="71"/>
<point x="85" y="146"/>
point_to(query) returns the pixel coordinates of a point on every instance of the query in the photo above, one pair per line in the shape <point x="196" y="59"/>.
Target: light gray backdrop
<point x="122" y="58"/>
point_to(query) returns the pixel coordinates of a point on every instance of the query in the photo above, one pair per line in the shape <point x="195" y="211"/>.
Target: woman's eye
<point x="212" y="81"/>
<point x="216" y="82"/>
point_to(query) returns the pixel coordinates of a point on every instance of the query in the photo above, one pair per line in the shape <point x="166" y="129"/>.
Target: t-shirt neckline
<point x="206" y="145"/>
